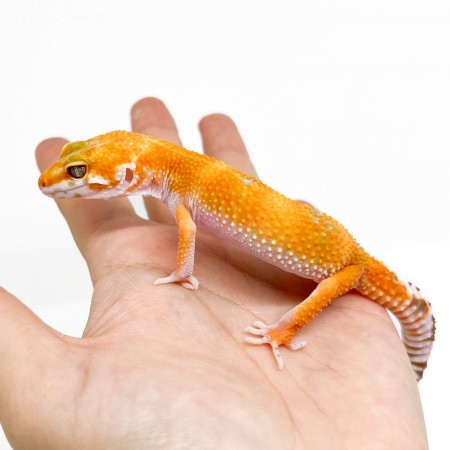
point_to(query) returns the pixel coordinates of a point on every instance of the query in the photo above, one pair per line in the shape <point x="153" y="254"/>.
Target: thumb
<point x="26" y="345"/>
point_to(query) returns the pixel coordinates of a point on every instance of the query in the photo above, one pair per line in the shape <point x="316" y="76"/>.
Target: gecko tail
<point x="408" y="305"/>
<point x="418" y="328"/>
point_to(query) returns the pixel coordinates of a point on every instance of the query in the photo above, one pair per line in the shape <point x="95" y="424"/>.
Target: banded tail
<point x="408" y="305"/>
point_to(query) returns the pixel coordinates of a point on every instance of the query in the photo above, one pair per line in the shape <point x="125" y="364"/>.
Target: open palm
<point x="165" y="367"/>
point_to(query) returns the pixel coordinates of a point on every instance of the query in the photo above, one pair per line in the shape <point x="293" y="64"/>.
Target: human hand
<point x="166" y="367"/>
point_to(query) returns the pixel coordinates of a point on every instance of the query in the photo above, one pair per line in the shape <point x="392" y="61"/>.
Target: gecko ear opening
<point x="77" y="170"/>
<point x="129" y="175"/>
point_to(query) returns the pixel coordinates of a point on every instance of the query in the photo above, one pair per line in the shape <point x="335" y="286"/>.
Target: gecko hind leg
<point x="282" y="332"/>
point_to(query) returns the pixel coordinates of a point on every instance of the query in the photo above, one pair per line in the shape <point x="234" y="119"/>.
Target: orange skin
<point x="201" y="191"/>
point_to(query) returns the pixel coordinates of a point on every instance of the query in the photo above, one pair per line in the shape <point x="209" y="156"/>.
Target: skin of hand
<point x="163" y="367"/>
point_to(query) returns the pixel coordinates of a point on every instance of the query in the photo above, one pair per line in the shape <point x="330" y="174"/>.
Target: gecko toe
<point x="295" y="346"/>
<point x="189" y="282"/>
<point x="257" y="331"/>
<point x="257" y="341"/>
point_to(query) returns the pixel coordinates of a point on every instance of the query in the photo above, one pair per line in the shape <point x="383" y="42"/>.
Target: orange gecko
<point x="201" y="191"/>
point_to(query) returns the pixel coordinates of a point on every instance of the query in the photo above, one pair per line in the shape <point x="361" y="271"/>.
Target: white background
<point x="345" y="104"/>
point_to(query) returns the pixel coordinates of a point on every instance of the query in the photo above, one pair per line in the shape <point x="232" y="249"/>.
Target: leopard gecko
<point x="231" y="205"/>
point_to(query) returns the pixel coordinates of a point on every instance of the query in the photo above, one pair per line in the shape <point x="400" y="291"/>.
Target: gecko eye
<point x="77" y="171"/>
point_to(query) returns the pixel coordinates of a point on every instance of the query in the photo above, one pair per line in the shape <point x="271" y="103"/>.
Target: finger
<point x="84" y="217"/>
<point x="150" y="116"/>
<point x="221" y="140"/>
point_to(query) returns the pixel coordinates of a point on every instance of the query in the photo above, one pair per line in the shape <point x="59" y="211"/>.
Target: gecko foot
<point x="274" y="335"/>
<point x="189" y="282"/>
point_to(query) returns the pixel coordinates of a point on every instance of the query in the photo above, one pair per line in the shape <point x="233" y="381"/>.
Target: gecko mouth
<point x="53" y="192"/>
<point x="58" y="192"/>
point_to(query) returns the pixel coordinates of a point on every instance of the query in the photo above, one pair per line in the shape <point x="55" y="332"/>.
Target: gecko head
<point x="97" y="168"/>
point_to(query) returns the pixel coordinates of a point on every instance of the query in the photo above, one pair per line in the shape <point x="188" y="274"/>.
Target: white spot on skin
<point x="97" y="179"/>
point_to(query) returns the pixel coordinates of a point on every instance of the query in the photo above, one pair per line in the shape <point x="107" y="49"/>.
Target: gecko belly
<point x="263" y="247"/>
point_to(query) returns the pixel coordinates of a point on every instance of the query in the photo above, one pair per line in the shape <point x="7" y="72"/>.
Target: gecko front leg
<point x="185" y="253"/>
